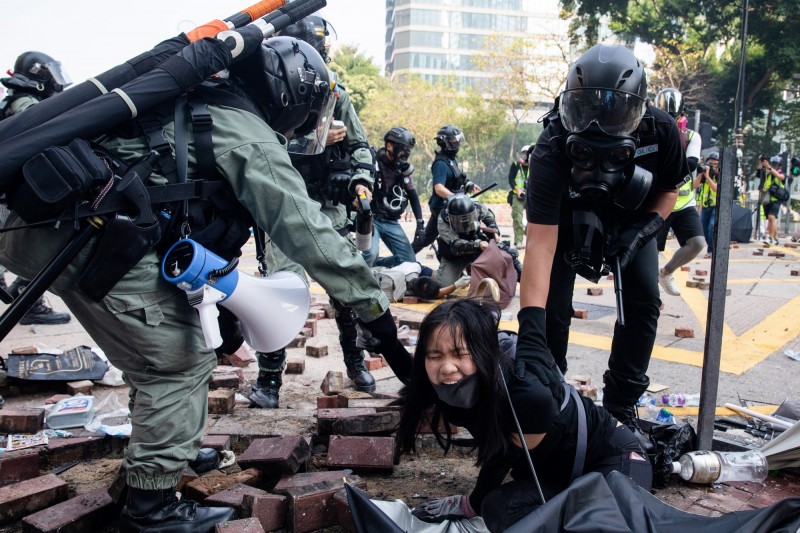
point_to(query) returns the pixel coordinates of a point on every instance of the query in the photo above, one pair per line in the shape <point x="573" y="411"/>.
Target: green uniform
<point x="452" y="266"/>
<point x="146" y="326"/>
<point x="518" y="177"/>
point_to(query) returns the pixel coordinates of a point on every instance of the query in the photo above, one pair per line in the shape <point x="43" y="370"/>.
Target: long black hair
<point x="475" y="322"/>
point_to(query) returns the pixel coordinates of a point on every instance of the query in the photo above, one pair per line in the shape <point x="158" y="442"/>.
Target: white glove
<point x="449" y="508"/>
<point x="462" y="283"/>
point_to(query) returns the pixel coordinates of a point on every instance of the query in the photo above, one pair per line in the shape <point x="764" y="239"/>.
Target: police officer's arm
<point x="512" y="176"/>
<point x="540" y="250"/>
<point x="440" y="171"/>
<point x="356" y="142"/>
<point x="664" y="201"/>
<point x="457" y="245"/>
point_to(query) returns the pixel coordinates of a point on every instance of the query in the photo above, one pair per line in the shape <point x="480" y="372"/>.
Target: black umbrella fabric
<point x="366" y="516"/>
<point x="741" y="224"/>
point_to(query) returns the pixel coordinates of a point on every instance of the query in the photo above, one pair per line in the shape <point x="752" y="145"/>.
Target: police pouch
<point x="120" y="247"/>
<point x="57" y="180"/>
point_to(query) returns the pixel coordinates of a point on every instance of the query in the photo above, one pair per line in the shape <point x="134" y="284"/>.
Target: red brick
<point x="580" y="313"/>
<point x="373" y="363"/>
<point x="316" y="349"/>
<point x="244" y="525"/>
<point x="594" y="291"/>
<point x="269" y="509"/>
<point x="295" y="365"/>
<point x="684" y="333"/>
<point x="306" y="332"/>
<point x="699" y="272"/>
<point x="221" y="401"/>
<point x="21" y="420"/>
<point x="327" y="402"/>
<point x="343" y="514"/>
<point x="735" y="246"/>
<point x="279" y="455"/>
<point x="29" y="496"/>
<point x="88" y="512"/>
<point x="330" y="312"/>
<point x="704" y="285"/>
<point x="758" y="252"/>
<point x="83" y="386"/>
<point x="316" y="314"/>
<point x="18" y="466"/>
<point x="368" y="424"/>
<point x="25" y="350"/>
<point x="62" y="451"/>
<point x="791" y="245"/>
<point x="372" y="453"/>
<point x="241" y="358"/>
<point x="345" y="397"/>
<point x="297" y="342"/>
<point x="228" y="380"/>
<point x="215" y="481"/>
<point x="233" y="497"/>
<point x="309" y="478"/>
<point x="187" y="476"/>
<point x="377" y="403"/>
<point x="326" y="417"/>
<point x="692" y="284"/>
<point x="410" y="300"/>
<point x="311" y="324"/>
<point x="333" y="383"/>
<point x="311" y="506"/>
<point x="685" y="268"/>
<point x="795" y="273"/>
<point x="56" y="398"/>
<point x="218" y="442"/>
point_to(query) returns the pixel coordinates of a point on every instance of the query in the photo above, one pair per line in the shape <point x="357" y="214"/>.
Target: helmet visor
<point x="465" y="223"/>
<point x="616" y="113"/>
<point x="314" y="142"/>
<point x="60" y="76"/>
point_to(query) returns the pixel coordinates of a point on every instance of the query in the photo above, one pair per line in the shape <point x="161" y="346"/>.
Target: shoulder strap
<point x="580" y="450"/>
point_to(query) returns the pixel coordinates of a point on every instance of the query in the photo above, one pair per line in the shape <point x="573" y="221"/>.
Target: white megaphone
<point x="272" y="309"/>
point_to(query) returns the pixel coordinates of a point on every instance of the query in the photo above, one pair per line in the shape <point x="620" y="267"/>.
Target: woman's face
<point x="447" y="360"/>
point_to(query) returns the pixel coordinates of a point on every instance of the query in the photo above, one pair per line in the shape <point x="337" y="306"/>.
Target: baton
<point x="618" y="291"/>
<point x="246" y="16"/>
<point x="492" y="186"/>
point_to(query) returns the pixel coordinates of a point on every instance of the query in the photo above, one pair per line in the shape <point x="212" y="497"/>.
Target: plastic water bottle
<point x="673" y="400"/>
<point x="665" y="417"/>
<point x="719" y="467"/>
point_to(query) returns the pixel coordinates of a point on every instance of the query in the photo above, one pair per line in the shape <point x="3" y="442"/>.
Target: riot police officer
<point x="36" y="76"/>
<point x="606" y="169"/>
<point x="448" y="179"/>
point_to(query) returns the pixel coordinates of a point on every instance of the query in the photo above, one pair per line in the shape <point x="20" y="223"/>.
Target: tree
<point x="357" y="74"/>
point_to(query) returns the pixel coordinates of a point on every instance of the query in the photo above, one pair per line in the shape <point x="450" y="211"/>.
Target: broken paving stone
<point x="589" y="391"/>
<point x="25" y="350"/>
<point x="316" y="313"/>
<point x="18" y="466"/>
<point x="344" y="397"/>
<point x="685" y="268"/>
<point x="411" y="300"/>
<point x="582" y="314"/>
<point x="373" y="363"/>
<point x="92" y="511"/>
<point x="234" y="497"/>
<point x="704" y="285"/>
<point x="29" y="496"/>
<point x="311" y="324"/>
<point x="700" y="272"/>
<point x="316" y="349"/>
<point x="277" y="455"/>
<point x="228" y="380"/>
<point x="241" y="358"/>
<point x="21" y="420"/>
<point x="794" y="273"/>
<point x="369" y="453"/>
<point x="56" y="398"/>
<point x="187" y="476"/>
<point x="298" y="342"/>
<point x="83" y="386"/>
<point x="215" y="482"/>
<point x="221" y="401"/>
<point x="243" y="525"/>
<point x="333" y="383"/>
<point x="295" y="365"/>
<point x="327" y="402"/>
<point x="327" y="417"/>
<point x="367" y="424"/>
<point x="684" y="333"/>
<point x="692" y="284"/>
<point x="269" y="509"/>
<point x="411" y="322"/>
<point x="311" y="505"/>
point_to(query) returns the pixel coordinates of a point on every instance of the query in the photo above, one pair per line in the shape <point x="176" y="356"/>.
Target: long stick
<point x="755" y="414"/>
<point x="618" y="291"/>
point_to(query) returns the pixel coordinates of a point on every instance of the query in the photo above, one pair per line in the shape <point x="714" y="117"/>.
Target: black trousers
<point x="431" y="231"/>
<point x="626" y="378"/>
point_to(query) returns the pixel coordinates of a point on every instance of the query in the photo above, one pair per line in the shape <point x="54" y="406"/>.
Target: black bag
<point x="781" y="193"/>
<point x="57" y="180"/>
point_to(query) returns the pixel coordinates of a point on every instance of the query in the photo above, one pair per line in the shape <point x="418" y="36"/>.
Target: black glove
<point x="419" y="233"/>
<point x="337" y="190"/>
<point x="380" y="336"/>
<point x="631" y="240"/>
<point x="533" y="357"/>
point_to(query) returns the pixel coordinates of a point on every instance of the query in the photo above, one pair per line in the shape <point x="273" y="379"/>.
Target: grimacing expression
<point x="448" y="359"/>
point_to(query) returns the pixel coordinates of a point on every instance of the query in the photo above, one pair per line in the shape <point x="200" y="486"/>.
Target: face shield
<point x="616" y="113"/>
<point x="466" y="223"/>
<point x="315" y="141"/>
<point x="61" y="79"/>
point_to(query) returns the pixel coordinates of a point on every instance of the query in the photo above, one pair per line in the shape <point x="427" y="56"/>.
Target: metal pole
<point x="739" y="104"/>
<point x="715" y="317"/>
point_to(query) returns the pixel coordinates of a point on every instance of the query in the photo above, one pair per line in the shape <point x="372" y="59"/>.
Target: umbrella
<point x="784" y="450"/>
<point x="741" y="224"/>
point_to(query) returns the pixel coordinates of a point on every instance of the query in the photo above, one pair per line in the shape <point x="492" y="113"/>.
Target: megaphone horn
<point x="272" y="309"/>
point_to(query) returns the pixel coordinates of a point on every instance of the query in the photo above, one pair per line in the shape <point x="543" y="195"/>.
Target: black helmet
<point x="313" y="30"/>
<point x="606" y="86"/>
<point x="290" y="83"/>
<point x="449" y="138"/>
<point x="37" y="73"/>
<point x="401" y="137"/>
<point x="461" y="214"/>
<point x="671" y="101"/>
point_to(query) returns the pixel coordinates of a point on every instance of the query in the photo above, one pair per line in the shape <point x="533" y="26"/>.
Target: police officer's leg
<point x="450" y="270"/>
<point x="626" y="378"/>
<point x="353" y="355"/>
<point x="39" y="313"/>
<point x="431" y="231"/>
<point x="559" y="300"/>
<point x="156" y="340"/>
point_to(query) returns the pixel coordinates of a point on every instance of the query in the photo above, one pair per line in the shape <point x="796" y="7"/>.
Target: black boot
<point x="160" y="511"/>
<point x="363" y="380"/>
<point x="43" y="314"/>
<point x="629" y="417"/>
<point x="270" y="378"/>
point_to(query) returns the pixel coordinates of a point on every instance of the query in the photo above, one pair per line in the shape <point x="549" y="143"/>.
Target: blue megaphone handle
<point x="188" y="264"/>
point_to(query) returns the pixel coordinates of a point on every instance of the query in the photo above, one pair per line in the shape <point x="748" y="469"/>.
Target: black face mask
<point x="464" y="394"/>
<point x="603" y="169"/>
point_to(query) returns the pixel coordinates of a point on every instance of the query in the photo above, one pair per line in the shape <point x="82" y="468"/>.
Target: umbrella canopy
<point x="741" y="224"/>
<point x="784" y="450"/>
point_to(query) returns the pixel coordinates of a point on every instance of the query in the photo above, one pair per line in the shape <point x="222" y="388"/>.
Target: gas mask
<point x="603" y="169"/>
<point x="589" y="236"/>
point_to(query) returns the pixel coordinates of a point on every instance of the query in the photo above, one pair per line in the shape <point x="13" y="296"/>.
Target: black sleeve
<point x="673" y="170"/>
<point x="548" y="179"/>
<point x="512" y="175"/>
<point x="413" y="199"/>
<point x="489" y="478"/>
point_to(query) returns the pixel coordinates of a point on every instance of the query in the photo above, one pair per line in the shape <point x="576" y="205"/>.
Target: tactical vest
<point x="456" y="181"/>
<point x="315" y="169"/>
<point x="391" y="203"/>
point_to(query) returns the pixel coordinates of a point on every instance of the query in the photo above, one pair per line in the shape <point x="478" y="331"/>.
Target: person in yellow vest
<point x="518" y="181"/>
<point x="706" y="180"/>
<point x="684" y="219"/>
<point x="772" y="206"/>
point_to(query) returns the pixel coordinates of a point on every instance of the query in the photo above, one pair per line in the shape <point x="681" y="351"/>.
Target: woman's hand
<point x="449" y="508"/>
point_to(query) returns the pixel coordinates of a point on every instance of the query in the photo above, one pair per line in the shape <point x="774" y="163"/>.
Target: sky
<point x="92" y="36"/>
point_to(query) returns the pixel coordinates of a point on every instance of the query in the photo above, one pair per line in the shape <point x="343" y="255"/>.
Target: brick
<point x="685" y="268"/>
<point x="704" y="285"/>
<point x="228" y="380"/>
<point x="692" y="284"/>
<point x="794" y="273"/>
<point x="583" y="314"/>
<point x="29" y="496"/>
<point x="316" y="349"/>
<point x="333" y="383"/>
<point x="215" y="482"/>
<point x="297" y="342"/>
<point x="295" y="365"/>
<point x="91" y="511"/>
<point x="56" y="398"/>
<point x="311" y="324"/>
<point x="25" y="350"/>
<point x="410" y="300"/>
<point x="735" y="246"/>
<point x="62" y="451"/>
<point x="306" y="332"/>
<point x="344" y="516"/>
<point x="345" y="397"/>
<point x="790" y="245"/>
<point x="221" y="401"/>
<point x="327" y="417"/>
<point x="241" y="358"/>
<point x="376" y="403"/>
<point x="309" y="478"/>
<point x="83" y="386"/>
<point x="18" y="466"/>
<point x="21" y="420"/>
<point x="594" y="291"/>
<point x="684" y="333"/>
<point x="758" y="252"/>
<point x="700" y="272"/>
<point x="330" y="312"/>
<point x="327" y="402"/>
<point x="367" y="424"/>
<point x="373" y="363"/>
<point x="243" y="525"/>
<point x="278" y="455"/>
<point x="316" y="314"/>
<point x="371" y="453"/>
<point x="269" y="509"/>
<point x="311" y="506"/>
<point x="218" y="442"/>
<point x="411" y="322"/>
<point x="187" y="476"/>
<point x="699" y="279"/>
<point x="234" y="497"/>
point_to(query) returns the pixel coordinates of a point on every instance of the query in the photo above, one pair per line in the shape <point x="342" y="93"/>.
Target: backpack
<point x="779" y="192"/>
<point x="392" y="282"/>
